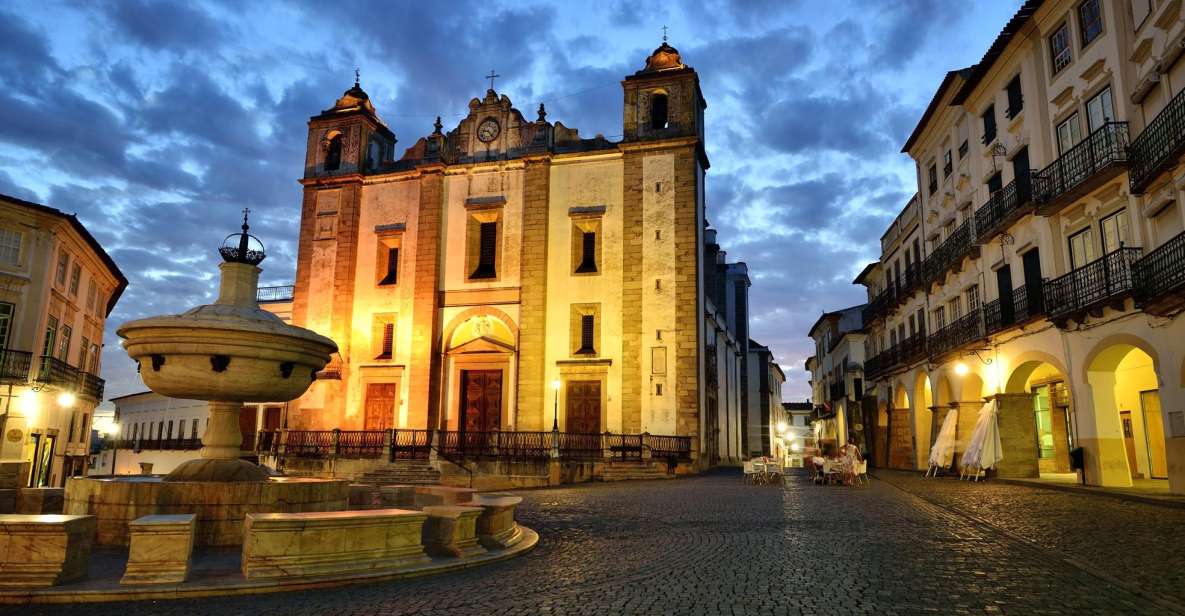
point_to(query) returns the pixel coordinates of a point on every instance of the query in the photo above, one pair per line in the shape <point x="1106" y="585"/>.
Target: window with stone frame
<point x="483" y="243"/>
<point x="7" y="314"/>
<point x="51" y="334"/>
<point x="333" y="152"/>
<point x="1059" y="47"/>
<point x="10" y="246"/>
<point x="64" y="343"/>
<point x="586" y="245"/>
<point x="63" y="267"/>
<point x="972" y="294"/>
<point x="585" y="329"/>
<point x="1090" y="21"/>
<point x="84" y="354"/>
<point x="989" y="124"/>
<point x="383" y="336"/>
<point x="91" y="295"/>
<point x="1016" y="99"/>
<point x="75" y="278"/>
<point x="386" y="267"/>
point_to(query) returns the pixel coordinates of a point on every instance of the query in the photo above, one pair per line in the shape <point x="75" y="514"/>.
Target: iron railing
<point x="964" y="330"/>
<point x="1103" y="279"/>
<point x="495" y="444"/>
<point x="361" y="444"/>
<point x="409" y="445"/>
<point x="1158" y="146"/>
<point x="1000" y="315"/>
<point x="57" y="373"/>
<point x="668" y="447"/>
<point x="14" y="365"/>
<point x="264" y="295"/>
<point x="1161" y="271"/>
<point x="1104" y="147"/>
<point x="950" y="252"/>
<point x="911" y="349"/>
<point x="879" y="306"/>
<point x="877" y="364"/>
<point x="91" y="386"/>
<point x="156" y="444"/>
<point x="1001" y="209"/>
<point x="309" y="443"/>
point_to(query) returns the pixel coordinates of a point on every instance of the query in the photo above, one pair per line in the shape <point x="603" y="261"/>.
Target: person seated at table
<point x="852" y="459"/>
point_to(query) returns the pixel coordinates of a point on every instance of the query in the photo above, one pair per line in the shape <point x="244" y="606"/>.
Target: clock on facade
<point x="487" y="131"/>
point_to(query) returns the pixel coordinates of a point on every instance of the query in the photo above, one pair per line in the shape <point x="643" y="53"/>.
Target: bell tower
<point x="663" y="100"/>
<point x="348" y="137"/>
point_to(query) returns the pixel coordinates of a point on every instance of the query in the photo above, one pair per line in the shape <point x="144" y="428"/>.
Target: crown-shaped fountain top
<point x="244" y="247"/>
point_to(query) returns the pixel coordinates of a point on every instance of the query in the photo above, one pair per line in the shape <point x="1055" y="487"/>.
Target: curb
<point x="1171" y="502"/>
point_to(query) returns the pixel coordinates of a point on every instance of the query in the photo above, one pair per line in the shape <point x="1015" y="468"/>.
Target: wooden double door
<point x="583" y="407"/>
<point x="481" y="400"/>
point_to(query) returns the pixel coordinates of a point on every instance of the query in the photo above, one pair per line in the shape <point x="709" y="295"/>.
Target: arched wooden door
<point x="481" y="400"/>
<point x="583" y="407"/>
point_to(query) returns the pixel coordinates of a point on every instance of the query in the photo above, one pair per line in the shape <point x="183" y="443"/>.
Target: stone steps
<point x="412" y="473"/>
<point x="634" y="472"/>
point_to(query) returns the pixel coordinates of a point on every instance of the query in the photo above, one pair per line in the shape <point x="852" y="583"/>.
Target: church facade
<point x="511" y="275"/>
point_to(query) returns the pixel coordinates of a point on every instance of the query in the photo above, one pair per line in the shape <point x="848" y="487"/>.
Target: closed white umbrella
<point x="991" y="451"/>
<point x="943" y="450"/>
<point x="983" y="450"/>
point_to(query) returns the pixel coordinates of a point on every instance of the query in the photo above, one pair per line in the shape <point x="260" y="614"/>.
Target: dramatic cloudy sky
<point x="157" y="122"/>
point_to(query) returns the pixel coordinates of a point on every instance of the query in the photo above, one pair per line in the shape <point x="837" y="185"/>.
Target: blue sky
<point x="157" y="122"/>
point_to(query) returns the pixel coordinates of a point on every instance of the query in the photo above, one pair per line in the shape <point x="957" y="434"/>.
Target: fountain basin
<point x="220" y="506"/>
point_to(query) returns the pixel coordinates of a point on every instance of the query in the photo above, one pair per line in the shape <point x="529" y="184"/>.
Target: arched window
<point x="333" y="153"/>
<point x="373" y="154"/>
<point x="658" y="111"/>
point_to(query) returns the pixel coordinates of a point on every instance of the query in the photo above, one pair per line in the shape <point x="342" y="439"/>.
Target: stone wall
<point x="1018" y="436"/>
<point x="532" y="343"/>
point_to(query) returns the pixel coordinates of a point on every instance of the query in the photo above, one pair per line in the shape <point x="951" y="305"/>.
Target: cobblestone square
<point x="713" y="545"/>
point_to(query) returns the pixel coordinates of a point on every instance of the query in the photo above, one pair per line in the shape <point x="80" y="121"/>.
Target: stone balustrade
<point x="44" y="550"/>
<point x="161" y="550"/>
<point x="399" y="496"/>
<point x="443" y="495"/>
<point x="332" y="543"/>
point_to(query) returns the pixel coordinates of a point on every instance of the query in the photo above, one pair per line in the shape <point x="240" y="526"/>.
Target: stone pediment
<point x="482" y="345"/>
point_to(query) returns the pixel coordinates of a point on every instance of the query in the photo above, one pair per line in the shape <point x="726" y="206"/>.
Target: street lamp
<point x="555" y="421"/>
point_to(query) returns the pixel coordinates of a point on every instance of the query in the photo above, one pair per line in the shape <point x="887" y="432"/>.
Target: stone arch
<point x="1025" y="364"/>
<point x="971" y="388"/>
<point x="922" y="424"/>
<point x="900" y="395"/>
<point x="1108" y="352"/>
<point x="465" y="315"/>
<point x="943" y="392"/>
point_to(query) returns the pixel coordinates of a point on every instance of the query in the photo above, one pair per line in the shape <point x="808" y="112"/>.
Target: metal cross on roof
<point x="664" y="34"/>
<point x="246" y="211"/>
<point x="492" y="76"/>
<point x="357" y="75"/>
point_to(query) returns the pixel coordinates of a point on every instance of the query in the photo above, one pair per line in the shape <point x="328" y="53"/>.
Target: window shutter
<point x="588" y="260"/>
<point x="487" y="251"/>
<point x="388" y="336"/>
<point x="586" y="334"/>
<point x="392" y="275"/>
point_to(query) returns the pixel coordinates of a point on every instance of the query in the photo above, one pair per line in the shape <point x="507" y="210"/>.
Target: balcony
<point x="90" y="386"/>
<point x="1159" y="146"/>
<point x="878" y="308"/>
<point x="949" y="254"/>
<point x="876" y="365"/>
<point x="57" y="373"/>
<point x="999" y="316"/>
<point x="1160" y="277"/>
<point x="962" y="331"/>
<point x="1001" y="210"/>
<point x="14" y="366"/>
<point x="265" y="295"/>
<point x="1086" y="166"/>
<point x="910" y="350"/>
<point x="1105" y="281"/>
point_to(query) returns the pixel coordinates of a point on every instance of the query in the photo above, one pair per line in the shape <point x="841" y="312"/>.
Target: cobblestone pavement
<point x="712" y="545"/>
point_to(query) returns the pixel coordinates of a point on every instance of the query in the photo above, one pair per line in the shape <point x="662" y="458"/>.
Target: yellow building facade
<point x="57" y="287"/>
<point x="1040" y="263"/>
<point x="511" y="275"/>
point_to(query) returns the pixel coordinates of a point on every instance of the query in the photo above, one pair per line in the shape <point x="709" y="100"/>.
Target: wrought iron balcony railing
<point x="91" y="386"/>
<point x="265" y="295"/>
<point x="878" y="308"/>
<point x="57" y="373"/>
<point x="950" y="252"/>
<point x="1002" y="209"/>
<point x="1108" y="278"/>
<point x="14" y="366"/>
<point x="1000" y="315"/>
<point x="1158" y="146"/>
<point x="1082" y="168"/>
<point x="1161" y="271"/>
<point x="964" y="330"/>
<point x="911" y="349"/>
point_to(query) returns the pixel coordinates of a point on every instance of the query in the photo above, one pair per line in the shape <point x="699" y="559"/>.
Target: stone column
<point x="1018" y="436"/>
<point x="222" y="438"/>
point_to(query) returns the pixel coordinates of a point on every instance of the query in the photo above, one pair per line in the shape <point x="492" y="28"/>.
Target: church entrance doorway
<point x="481" y="400"/>
<point x="583" y="407"/>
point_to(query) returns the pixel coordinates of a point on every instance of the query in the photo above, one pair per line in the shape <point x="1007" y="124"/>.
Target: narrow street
<point x="713" y="545"/>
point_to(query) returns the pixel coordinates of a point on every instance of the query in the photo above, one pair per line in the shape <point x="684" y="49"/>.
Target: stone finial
<point x="437" y="127"/>
<point x="542" y="114"/>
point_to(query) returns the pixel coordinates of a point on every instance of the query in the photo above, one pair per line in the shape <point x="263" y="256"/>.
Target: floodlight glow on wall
<point x="961" y="369"/>
<point x="66" y="399"/>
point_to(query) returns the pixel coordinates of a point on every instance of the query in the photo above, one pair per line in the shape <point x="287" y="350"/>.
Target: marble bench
<point x="332" y="543"/>
<point x="451" y="530"/>
<point x="40" y="500"/>
<point x="161" y="550"/>
<point x="496" y="528"/>
<point x="44" y="550"/>
<point x="442" y="495"/>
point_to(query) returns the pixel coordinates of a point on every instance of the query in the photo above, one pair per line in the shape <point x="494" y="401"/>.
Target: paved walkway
<point x="712" y="545"/>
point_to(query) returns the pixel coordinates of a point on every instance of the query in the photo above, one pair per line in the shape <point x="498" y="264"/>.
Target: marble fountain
<point x="221" y="525"/>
